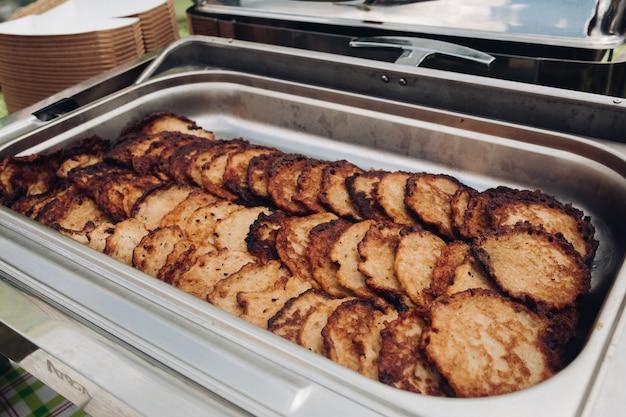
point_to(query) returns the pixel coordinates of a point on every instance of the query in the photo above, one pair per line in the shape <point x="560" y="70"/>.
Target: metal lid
<point x="586" y="24"/>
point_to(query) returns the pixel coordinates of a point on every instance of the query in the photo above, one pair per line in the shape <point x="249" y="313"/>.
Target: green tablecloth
<point x="23" y="395"/>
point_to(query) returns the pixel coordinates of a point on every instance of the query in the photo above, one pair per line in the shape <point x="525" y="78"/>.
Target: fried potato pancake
<point x="151" y="207"/>
<point x="457" y="270"/>
<point x="531" y="264"/>
<point x="345" y="253"/>
<point x="292" y="242"/>
<point x="429" y="196"/>
<point x="352" y="335"/>
<point x="402" y="361"/>
<point x="98" y="235"/>
<point x="27" y="175"/>
<point x="181" y="258"/>
<point x="208" y="269"/>
<point x="169" y="145"/>
<point x="250" y="278"/>
<point x="231" y="231"/>
<point x="236" y="172"/>
<point x="309" y="185"/>
<point x="152" y="251"/>
<point x="282" y="184"/>
<point x="86" y="152"/>
<point x="485" y="344"/>
<point x="166" y="122"/>
<point x="212" y="173"/>
<point x="390" y="194"/>
<point x="64" y="206"/>
<point x="261" y="241"/>
<point x="288" y="321"/>
<point x="115" y="189"/>
<point x="362" y="188"/>
<point x="475" y="218"/>
<point x="258" y="175"/>
<point x="200" y="226"/>
<point x="334" y="193"/>
<point x="181" y="212"/>
<point x="539" y="209"/>
<point x="200" y="159"/>
<point x="378" y="253"/>
<point x="260" y="306"/>
<point x="310" y="334"/>
<point x="182" y="158"/>
<point x="321" y="240"/>
<point x="415" y="259"/>
<point x="122" y="242"/>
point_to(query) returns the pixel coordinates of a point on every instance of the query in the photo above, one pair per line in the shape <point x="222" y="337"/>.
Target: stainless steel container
<point x="560" y="44"/>
<point x="119" y="342"/>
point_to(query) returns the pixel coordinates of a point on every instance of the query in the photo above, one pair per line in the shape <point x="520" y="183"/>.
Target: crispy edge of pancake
<point x="415" y="259"/>
<point x="532" y="265"/>
<point x="485" y="344"/>
<point x="429" y="197"/>
<point x="402" y="361"/>
<point x="321" y="240"/>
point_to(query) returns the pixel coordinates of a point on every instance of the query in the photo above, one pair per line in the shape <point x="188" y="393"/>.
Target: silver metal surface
<point x="180" y="339"/>
<point x="573" y="23"/>
<point x="415" y="51"/>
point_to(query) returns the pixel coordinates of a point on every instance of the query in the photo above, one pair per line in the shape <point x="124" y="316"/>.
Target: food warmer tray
<point x="118" y="342"/>
<point x="566" y="44"/>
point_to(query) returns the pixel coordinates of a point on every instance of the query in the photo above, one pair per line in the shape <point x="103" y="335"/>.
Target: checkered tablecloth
<point x="23" y="395"/>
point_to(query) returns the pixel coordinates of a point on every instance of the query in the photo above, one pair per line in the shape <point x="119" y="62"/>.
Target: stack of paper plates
<point x="44" y="54"/>
<point x="157" y="17"/>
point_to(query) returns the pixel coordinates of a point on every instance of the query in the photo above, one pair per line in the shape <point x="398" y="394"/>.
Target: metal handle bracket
<point x="416" y="50"/>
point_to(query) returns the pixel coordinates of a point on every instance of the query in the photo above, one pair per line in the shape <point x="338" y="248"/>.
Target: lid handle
<point x="416" y="50"/>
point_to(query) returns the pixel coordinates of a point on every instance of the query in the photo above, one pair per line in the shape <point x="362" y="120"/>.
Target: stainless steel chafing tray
<point x="119" y="342"/>
<point x="567" y="44"/>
